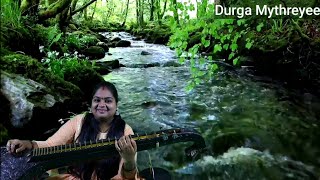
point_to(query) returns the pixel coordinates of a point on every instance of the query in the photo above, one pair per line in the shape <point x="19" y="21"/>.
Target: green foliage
<point x="48" y="36"/>
<point x="31" y="68"/>
<point x="216" y="35"/>
<point x="10" y="16"/>
<point x="78" y="41"/>
<point x="259" y="27"/>
<point x="278" y="25"/>
<point x="53" y="40"/>
<point x="11" y="20"/>
<point x="59" y="65"/>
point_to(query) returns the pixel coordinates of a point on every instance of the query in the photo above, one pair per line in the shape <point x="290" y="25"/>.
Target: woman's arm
<point x="64" y="135"/>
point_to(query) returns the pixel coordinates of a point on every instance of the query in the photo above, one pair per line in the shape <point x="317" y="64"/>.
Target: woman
<point x="102" y="122"/>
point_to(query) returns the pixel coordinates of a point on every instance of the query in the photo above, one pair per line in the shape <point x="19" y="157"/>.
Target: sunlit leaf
<point x="217" y="48"/>
<point x="248" y="45"/>
<point x="234" y="46"/>
<point x="214" y="67"/>
<point x="259" y="27"/>
<point x="231" y="55"/>
<point x="207" y="43"/>
<point x="235" y="61"/>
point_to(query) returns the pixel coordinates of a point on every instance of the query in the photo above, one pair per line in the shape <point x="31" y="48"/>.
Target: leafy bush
<point x="221" y="38"/>
<point x="59" y="65"/>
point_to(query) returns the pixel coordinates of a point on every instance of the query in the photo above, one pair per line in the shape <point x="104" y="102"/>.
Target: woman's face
<point x="103" y="105"/>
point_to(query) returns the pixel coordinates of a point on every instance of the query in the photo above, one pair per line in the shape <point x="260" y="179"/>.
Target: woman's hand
<point x="127" y="148"/>
<point x="17" y="146"/>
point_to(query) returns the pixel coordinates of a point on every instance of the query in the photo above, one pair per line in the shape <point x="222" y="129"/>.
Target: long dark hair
<point x="107" y="168"/>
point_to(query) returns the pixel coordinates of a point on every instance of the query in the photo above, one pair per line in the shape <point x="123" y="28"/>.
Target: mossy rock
<point x="94" y="52"/>
<point x="85" y="78"/>
<point x="31" y="68"/>
<point x="161" y="37"/>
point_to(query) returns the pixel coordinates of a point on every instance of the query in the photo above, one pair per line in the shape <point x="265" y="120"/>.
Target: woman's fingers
<point x="117" y="146"/>
<point x="13" y="144"/>
<point x="126" y="144"/>
<point x="8" y="145"/>
<point x="134" y="144"/>
<point x="20" y="149"/>
<point x="16" y="145"/>
<point x="12" y="148"/>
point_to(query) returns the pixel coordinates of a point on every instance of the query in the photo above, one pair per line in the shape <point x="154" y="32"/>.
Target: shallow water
<point x="253" y="129"/>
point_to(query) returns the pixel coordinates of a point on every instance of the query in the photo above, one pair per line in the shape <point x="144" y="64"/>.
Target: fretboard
<point x="106" y="147"/>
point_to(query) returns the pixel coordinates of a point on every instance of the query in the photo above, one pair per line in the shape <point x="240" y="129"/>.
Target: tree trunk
<point x="141" y="12"/>
<point x="158" y="10"/>
<point x="85" y="14"/>
<point x="164" y="8"/>
<point x="54" y="9"/>
<point x="137" y="11"/>
<point x="126" y="14"/>
<point x="94" y="10"/>
<point x="152" y="7"/>
<point x="175" y="11"/>
<point x="63" y="20"/>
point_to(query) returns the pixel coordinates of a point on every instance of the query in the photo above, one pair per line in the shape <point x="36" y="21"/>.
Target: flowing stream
<point x="253" y="129"/>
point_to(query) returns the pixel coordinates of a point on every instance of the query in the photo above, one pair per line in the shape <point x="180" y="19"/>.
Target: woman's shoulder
<point x="78" y="117"/>
<point x="128" y="130"/>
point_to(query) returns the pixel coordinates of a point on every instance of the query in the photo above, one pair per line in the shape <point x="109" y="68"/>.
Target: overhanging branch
<point x="83" y="7"/>
<point x="54" y="9"/>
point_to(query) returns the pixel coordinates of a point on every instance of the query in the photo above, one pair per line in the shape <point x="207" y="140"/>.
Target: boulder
<point x="114" y="64"/>
<point x="145" y="53"/>
<point x="103" y="45"/>
<point x="123" y="43"/>
<point x="32" y="105"/>
<point x="94" y="52"/>
<point x="31" y="96"/>
<point x="116" y="39"/>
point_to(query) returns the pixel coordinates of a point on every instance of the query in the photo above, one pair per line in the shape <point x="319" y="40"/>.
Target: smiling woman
<point x="100" y="123"/>
<point x="104" y="106"/>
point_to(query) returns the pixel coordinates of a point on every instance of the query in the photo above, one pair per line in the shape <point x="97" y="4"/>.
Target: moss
<point x="94" y="52"/>
<point x="22" y="39"/>
<point x="4" y="51"/>
<point x="31" y="68"/>
<point x="84" y="77"/>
